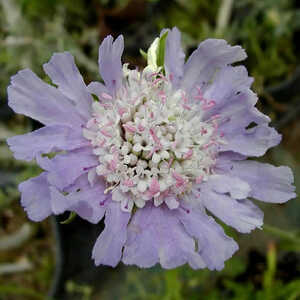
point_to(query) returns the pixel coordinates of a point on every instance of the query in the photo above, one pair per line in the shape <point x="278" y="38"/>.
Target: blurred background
<point x="50" y="259"/>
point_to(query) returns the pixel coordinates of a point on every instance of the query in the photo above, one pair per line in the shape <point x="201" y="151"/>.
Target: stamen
<point x="179" y="179"/>
<point x="155" y="138"/>
<point x="106" y="96"/>
<point x="162" y="96"/>
<point x="105" y="133"/>
<point x="154" y="188"/>
<point x="166" y="144"/>
<point x="185" y="106"/>
<point x="188" y="154"/>
<point x="141" y="128"/>
<point x="128" y="182"/>
<point x="110" y="188"/>
<point x="129" y="128"/>
<point x="122" y="111"/>
<point x="208" y="105"/>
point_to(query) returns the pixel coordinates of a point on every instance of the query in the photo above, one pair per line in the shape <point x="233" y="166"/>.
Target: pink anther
<point x="91" y="122"/>
<point x="208" y="105"/>
<point x="129" y="128"/>
<point x="179" y="179"/>
<point x="199" y="179"/>
<point x="154" y="187"/>
<point x="203" y="131"/>
<point x="184" y="97"/>
<point x="199" y="89"/>
<point x="157" y="80"/>
<point x="106" y="105"/>
<point x="185" y="106"/>
<point x="102" y="143"/>
<point x="128" y="182"/>
<point x="163" y="96"/>
<point x="122" y="111"/>
<point x="162" y="76"/>
<point x="105" y="133"/>
<point x="188" y="154"/>
<point x="170" y="161"/>
<point x="141" y="128"/>
<point x="109" y="123"/>
<point x="215" y="124"/>
<point x="106" y="96"/>
<point x="199" y="97"/>
<point x="113" y="164"/>
<point x="155" y="138"/>
<point x="154" y="74"/>
<point x="215" y="117"/>
<point x="211" y="143"/>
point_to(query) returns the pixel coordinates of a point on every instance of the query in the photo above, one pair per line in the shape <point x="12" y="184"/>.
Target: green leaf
<point x="161" y="49"/>
<point x="143" y="53"/>
<point x="156" y="53"/>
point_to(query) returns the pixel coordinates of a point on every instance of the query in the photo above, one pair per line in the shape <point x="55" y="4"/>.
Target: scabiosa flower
<point x="153" y="151"/>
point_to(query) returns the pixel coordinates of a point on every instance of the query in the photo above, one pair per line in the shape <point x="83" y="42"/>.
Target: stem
<point x="223" y="16"/>
<point x="282" y="233"/>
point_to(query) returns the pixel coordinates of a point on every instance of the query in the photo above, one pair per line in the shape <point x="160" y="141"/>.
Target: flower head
<point x="155" y="151"/>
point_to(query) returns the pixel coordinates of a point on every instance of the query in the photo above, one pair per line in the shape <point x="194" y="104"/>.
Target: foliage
<point x="264" y="28"/>
<point x="185" y="283"/>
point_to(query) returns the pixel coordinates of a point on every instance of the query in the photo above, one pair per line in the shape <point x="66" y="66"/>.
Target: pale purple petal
<point x="59" y="203"/>
<point x="224" y="161"/>
<point x="268" y="183"/>
<point x="174" y="56"/>
<point x="237" y="188"/>
<point x="89" y="204"/>
<point x="45" y="140"/>
<point x="32" y="97"/>
<point x="64" y="169"/>
<point x="108" y="247"/>
<point x="252" y="142"/>
<point x="156" y="235"/>
<point x="210" y="55"/>
<point x="214" y="246"/>
<point x="110" y="65"/>
<point x="35" y="197"/>
<point x="81" y="183"/>
<point x="97" y="88"/>
<point x="243" y="215"/>
<point x="227" y="84"/>
<point x="62" y="70"/>
<point x="92" y="202"/>
<point x="235" y="115"/>
<point x="234" y="118"/>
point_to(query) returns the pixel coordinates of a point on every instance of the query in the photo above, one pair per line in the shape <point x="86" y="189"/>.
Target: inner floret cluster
<point x="151" y="140"/>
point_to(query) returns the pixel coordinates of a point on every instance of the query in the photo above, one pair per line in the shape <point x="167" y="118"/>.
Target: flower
<point x="153" y="151"/>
